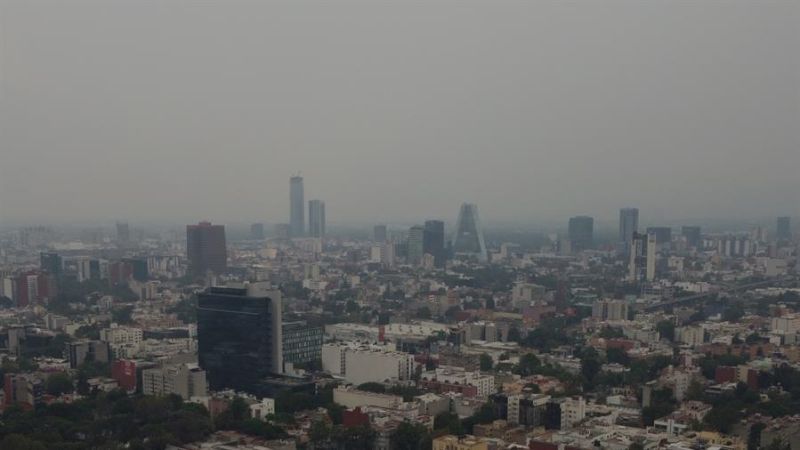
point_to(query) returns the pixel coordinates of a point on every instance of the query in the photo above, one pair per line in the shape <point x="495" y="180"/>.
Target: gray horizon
<point x="536" y="111"/>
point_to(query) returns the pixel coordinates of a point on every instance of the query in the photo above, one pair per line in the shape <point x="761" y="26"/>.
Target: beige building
<point x="451" y="442"/>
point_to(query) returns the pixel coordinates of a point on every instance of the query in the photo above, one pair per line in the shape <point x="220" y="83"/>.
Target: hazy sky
<point x="187" y="110"/>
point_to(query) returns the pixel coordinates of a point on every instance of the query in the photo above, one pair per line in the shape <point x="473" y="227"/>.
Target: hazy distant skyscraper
<point x="434" y="241"/>
<point x="316" y="218"/>
<point x="123" y="233"/>
<point x="663" y="235"/>
<point x="628" y="224"/>
<point x="783" y="229"/>
<point x="282" y="231"/>
<point x="581" y="233"/>
<point x="416" y="244"/>
<point x="379" y="233"/>
<point x="468" y="239"/>
<point x="206" y="248"/>
<point x="257" y="231"/>
<point x="693" y="236"/>
<point x="297" y="220"/>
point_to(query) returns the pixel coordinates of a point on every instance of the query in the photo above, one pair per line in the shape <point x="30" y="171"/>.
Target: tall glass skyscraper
<point x="581" y="233"/>
<point x="783" y="229"/>
<point x="416" y="244"/>
<point x="468" y="239"/>
<point x="628" y="224"/>
<point x="434" y="241"/>
<point x="239" y="335"/>
<point x="206" y="248"/>
<point x="297" y="220"/>
<point x="316" y="218"/>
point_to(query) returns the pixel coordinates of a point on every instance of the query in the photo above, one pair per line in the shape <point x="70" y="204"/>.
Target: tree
<point x="590" y="364"/>
<point x="486" y="362"/>
<point x="666" y="329"/>
<point x="424" y="313"/>
<point x="122" y="315"/>
<point x="59" y="383"/>
<point x="409" y="436"/>
<point x="528" y="363"/>
<point x="372" y="387"/>
<point x="514" y="335"/>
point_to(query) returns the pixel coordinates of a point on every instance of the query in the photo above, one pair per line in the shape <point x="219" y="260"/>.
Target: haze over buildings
<point x="691" y="108"/>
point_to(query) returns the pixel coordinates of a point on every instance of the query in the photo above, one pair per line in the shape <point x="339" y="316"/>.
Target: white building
<point x="366" y="363"/>
<point x="573" y="410"/>
<point x="459" y="376"/>
<point x="186" y="380"/>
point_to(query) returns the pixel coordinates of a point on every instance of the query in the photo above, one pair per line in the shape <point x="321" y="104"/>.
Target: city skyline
<point x="680" y="126"/>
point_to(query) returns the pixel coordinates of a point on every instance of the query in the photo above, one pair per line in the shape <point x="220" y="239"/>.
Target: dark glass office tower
<point x="379" y="233"/>
<point x="469" y="235"/>
<point x="434" y="241"/>
<point x="628" y="224"/>
<point x="316" y="218"/>
<point x="581" y="233"/>
<point x="123" y="233"/>
<point x="206" y="249"/>
<point x="783" y="229"/>
<point x="663" y="235"/>
<point x="51" y="262"/>
<point x="415" y="245"/>
<point x="693" y="236"/>
<point x="297" y="220"/>
<point x="239" y="335"/>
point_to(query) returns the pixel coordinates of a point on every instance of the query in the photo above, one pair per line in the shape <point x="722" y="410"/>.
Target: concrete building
<point x="350" y="397"/>
<point x="573" y="410"/>
<point x="185" y="380"/>
<point x="450" y="442"/>
<point x="610" y="310"/>
<point x="366" y="363"/>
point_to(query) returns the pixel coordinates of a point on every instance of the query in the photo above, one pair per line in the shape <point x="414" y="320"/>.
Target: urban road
<point x="725" y="290"/>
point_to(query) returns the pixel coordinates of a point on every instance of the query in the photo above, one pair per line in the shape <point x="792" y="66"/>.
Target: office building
<point x="581" y="233"/>
<point x="184" y="380"/>
<point x="366" y="363"/>
<point x="663" y="235"/>
<point x="628" y="224"/>
<point x="86" y="350"/>
<point x="297" y="221"/>
<point x="468" y="240"/>
<point x="416" y="245"/>
<point x="611" y="310"/>
<point x="206" y="249"/>
<point x="434" y="242"/>
<point x="316" y="218"/>
<point x="123" y="233"/>
<point x="379" y="233"/>
<point x="693" y="236"/>
<point x="51" y="263"/>
<point x="257" y="231"/>
<point x="282" y="231"/>
<point x="301" y="343"/>
<point x="642" y="259"/>
<point x="239" y="335"/>
<point x="783" y="229"/>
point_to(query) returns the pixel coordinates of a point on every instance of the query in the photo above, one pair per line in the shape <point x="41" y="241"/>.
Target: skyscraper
<point x="581" y="233"/>
<point x="663" y="235"/>
<point x="316" y="218"/>
<point x="642" y="259"/>
<point x="628" y="224"/>
<point x="693" y="235"/>
<point x="783" y="229"/>
<point x="468" y="239"/>
<point x="257" y="231"/>
<point x="297" y="220"/>
<point x="379" y="233"/>
<point x="51" y="263"/>
<point x="239" y="338"/>
<point x="416" y="244"/>
<point x="206" y="248"/>
<point x="434" y="241"/>
<point x="123" y="233"/>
